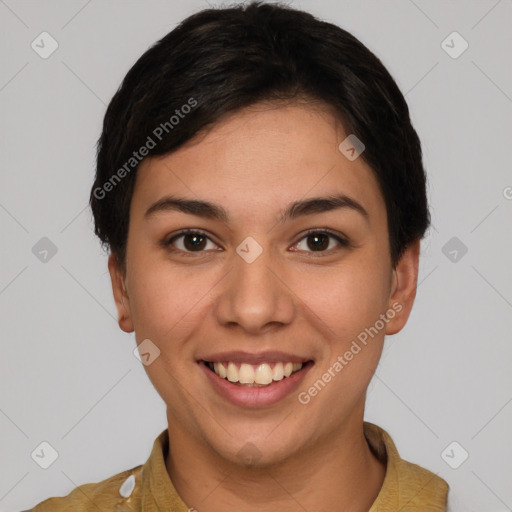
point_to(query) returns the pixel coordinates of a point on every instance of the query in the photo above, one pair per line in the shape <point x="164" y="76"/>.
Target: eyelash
<point x="338" y="237"/>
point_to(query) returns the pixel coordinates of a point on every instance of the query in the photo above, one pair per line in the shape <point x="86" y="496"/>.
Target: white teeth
<point x="232" y="373"/>
<point x="248" y="374"/>
<point x="278" y="372"/>
<point x="263" y="374"/>
<point x="220" y="370"/>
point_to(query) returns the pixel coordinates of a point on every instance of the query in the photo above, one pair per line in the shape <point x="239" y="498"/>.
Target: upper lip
<point x="254" y="358"/>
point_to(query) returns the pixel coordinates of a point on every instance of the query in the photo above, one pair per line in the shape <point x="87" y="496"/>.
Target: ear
<point x="403" y="288"/>
<point x="124" y="316"/>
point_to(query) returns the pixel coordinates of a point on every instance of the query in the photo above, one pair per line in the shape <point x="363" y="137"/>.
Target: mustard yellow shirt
<point x="407" y="487"/>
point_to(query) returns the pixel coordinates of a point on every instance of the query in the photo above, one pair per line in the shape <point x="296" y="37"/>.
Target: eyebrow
<point x="294" y="210"/>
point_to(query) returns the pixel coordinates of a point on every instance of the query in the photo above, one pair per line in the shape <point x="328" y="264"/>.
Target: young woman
<point x="261" y="191"/>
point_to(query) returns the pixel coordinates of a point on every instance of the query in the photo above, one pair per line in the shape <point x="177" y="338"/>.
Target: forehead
<point x="258" y="159"/>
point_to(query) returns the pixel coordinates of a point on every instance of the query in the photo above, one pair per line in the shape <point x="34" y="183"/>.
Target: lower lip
<point x="256" y="397"/>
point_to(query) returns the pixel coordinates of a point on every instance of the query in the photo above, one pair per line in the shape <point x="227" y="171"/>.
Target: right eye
<point x="192" y="241"/>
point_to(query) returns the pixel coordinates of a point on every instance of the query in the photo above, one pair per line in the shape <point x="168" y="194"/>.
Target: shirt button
<point x="127" y="487"/>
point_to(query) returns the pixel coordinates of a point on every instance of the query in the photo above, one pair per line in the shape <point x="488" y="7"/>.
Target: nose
<point x="255" y="296"/>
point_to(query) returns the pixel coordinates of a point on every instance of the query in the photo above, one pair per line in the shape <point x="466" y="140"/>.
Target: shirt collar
<point x="406" y="486"/>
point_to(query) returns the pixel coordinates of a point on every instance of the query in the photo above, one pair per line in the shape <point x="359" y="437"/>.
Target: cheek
<point x="168" y="309"/>
<point x="350" y="303"/>
<point x="168" y="300"/>
<point x="346" y="299"/>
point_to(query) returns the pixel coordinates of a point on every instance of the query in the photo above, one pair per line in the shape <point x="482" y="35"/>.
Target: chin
<point x="249" y="449"/>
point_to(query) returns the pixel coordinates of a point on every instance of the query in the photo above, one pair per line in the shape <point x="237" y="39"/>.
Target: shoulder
<point x="419" y="486"/>
<point x="407" y="486"/>
<point x="118" y="489"/>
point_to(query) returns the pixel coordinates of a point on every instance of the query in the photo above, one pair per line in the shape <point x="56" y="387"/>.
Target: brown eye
<point x="320" y="241"/>
<point x="191" y="241"/>
<point x="194" y="242"/>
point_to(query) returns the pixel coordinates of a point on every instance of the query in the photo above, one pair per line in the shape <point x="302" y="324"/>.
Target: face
<point x="259" y="288"/>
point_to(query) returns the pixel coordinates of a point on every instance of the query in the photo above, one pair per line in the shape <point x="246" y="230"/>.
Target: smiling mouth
<point x="255" y="375"/>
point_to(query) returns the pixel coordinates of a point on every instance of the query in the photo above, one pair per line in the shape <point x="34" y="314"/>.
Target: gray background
<point x="69" y="376"/>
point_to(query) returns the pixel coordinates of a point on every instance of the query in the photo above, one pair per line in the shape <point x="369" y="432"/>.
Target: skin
<point x="304" y="302"/>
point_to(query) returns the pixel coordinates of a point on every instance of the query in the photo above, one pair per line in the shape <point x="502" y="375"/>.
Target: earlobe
<point x="403" y="291"/>
<point x="124" y="317"/>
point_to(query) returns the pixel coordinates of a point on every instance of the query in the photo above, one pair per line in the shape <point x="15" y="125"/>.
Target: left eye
<point x="197" y="241"/>
<point x="319" y="241"/>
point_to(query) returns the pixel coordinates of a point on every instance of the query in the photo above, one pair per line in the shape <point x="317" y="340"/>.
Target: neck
<point x="338" y="472"/>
